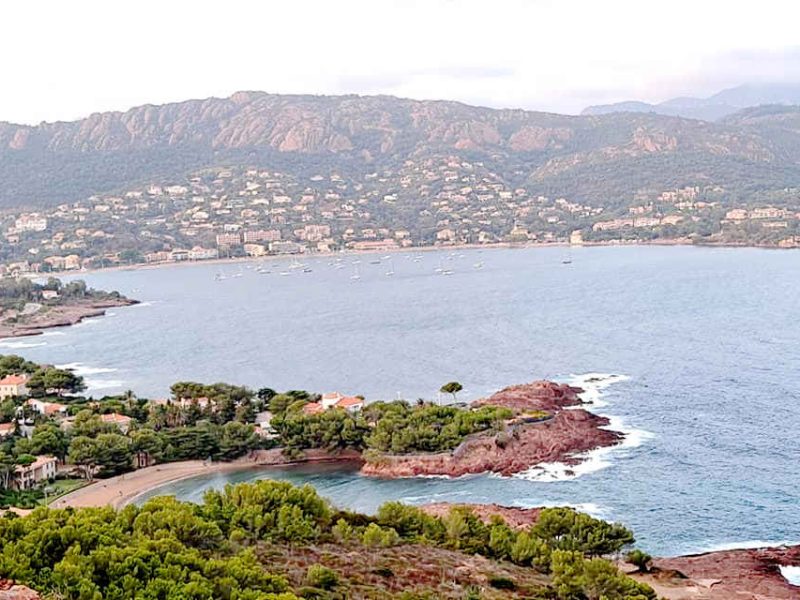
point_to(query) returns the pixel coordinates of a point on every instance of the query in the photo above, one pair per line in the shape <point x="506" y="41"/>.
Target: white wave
<point x="87" y="321"/>
<point x="598" y="459"/>
<point x="103" y="384"/>
<point x="53" y="333"/>
<point x="590" y="508"/>
<point x="143" y="304"/>
<point x="435" y="497"/>
<point x="791" y="574"/>
<point x="16" y="345"/>
<point x="85" y="370"/>
<point x="594" y="384"/>
<point x="448" y="477"/>
<point x="748" y="545"/>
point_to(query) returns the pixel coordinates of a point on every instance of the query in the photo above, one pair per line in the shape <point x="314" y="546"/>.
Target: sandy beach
<point x="123" y="489"/>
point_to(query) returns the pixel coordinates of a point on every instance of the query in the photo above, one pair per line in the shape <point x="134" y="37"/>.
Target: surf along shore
<point x="547" y="426"/>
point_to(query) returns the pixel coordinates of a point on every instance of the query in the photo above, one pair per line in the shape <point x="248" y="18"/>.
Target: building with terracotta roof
<point x="313" y="408"/>
<point x="7" y="429"/>
<point x="330" y="399"/>
<point x="122" y="422"/>
<point x="351" y="403"/>
<point x="49" y="409"/>
<point x="12" y="386"/>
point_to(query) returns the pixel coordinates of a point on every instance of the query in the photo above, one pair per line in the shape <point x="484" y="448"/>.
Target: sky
<point x="65" y="60"/>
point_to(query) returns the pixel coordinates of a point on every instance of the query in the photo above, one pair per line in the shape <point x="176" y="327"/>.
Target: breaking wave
<point x="593" y="384"/>
<point x="791" y="574"/>
<point x="748" y="545"/>
<point x="85" y="370"/>
<point x="19" y="345"/>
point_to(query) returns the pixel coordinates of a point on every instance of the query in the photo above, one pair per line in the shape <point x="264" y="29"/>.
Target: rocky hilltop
<point x="541" y="431"/>
<point x="555" y="154"/>
<point x="752" y="574"/>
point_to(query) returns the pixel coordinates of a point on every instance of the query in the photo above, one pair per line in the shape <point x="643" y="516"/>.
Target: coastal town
<point x="245" y="212"/>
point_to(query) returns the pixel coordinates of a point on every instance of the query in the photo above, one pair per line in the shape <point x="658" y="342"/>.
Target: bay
<point x="703" y="344"/>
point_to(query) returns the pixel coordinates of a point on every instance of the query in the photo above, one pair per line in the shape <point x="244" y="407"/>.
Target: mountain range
<point x="603" y="158"/>
<point x="714" y="107"/>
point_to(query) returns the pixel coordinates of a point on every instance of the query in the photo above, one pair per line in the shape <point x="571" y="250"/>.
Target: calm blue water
<point x="709" y="340"/>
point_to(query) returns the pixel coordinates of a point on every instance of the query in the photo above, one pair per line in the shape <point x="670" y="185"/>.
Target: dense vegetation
<point x="15" y="293"/>
<point x="231" y="547"/>
<point x="396" y="427"/>
<point x="208" y="422"/>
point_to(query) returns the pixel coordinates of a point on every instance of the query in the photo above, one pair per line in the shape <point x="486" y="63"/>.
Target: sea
<point x="692" y="352"/>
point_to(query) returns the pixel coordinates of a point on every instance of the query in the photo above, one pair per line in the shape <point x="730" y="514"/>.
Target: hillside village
<point x="245" y="212"/>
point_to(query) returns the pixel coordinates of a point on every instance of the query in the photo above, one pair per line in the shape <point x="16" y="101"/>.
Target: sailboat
<point x="390" y="272"/>
<point x="356" y="275"/>
<point x="567" y="260"/>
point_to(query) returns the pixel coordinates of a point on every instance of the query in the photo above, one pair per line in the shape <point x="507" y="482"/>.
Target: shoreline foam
<point x="598" y="459"/>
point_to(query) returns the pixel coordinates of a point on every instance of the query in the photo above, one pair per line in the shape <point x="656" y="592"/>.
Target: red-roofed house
<point x="122" y="422"/>
<point x="13" y="385"/>
<point x="313" y="408"/>
<point x="7" y="429"/>
<point x="50" y="409"/>
<point x="330" y="399"/>
<point x="351" y="403"/>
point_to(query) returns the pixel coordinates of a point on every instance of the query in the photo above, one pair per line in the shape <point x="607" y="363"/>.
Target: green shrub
<point x="322" y="577"/>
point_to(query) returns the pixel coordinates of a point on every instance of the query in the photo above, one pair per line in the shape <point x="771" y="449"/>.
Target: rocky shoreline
<point x="62" y="316"/>
<point x="749" y="574"/>
<point x="526" y="441"/>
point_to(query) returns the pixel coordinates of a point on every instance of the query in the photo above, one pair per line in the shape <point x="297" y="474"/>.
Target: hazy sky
<point x="64" y="60"/>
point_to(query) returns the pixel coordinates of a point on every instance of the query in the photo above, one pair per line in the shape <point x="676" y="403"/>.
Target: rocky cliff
<point x="523" y="442"/>
<point x="56" y="162"/>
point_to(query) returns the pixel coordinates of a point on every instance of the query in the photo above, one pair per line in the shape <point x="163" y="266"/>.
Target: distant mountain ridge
<point x="599" y="158"/>
<point x="714" y="107"/>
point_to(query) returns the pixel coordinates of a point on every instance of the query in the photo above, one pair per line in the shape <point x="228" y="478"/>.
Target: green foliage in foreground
<point x="175" y="550"/>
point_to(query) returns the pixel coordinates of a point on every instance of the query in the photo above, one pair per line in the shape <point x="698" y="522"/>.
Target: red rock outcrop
<point x="519" y="446"/>
<point x="745" y="574"/>
<point x="12" y="591"/>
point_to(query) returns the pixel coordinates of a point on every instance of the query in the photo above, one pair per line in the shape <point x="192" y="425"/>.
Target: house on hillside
<point x="42" y="469"/>
<point x="313" y="408"/>
<point x="7" y="430"/>
<point x="330" y="399"/>
<point x="122" y="422"/>
<point x="351" y="404"/>
<point x="49" y="409"/>
<point x="337" y="400"/>
<point x="12" y="386"/>
<point x="264" y="426"/>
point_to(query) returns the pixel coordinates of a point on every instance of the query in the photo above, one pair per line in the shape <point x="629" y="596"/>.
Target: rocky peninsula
<point x="28" y="308"/>
<point x="546" y="427"/>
